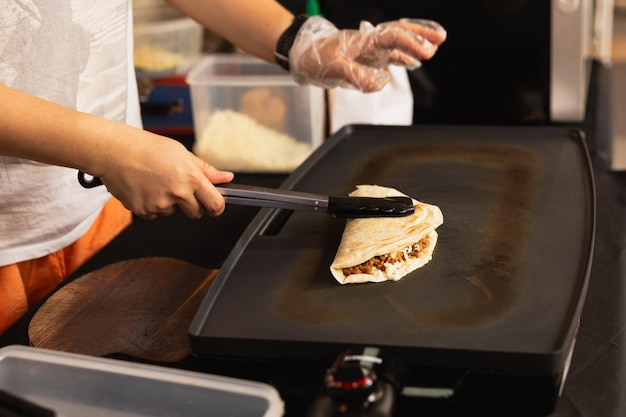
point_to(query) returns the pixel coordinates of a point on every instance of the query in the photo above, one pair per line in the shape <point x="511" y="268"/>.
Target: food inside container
<point x="165" y="43"/>
<point x="250" y="116"/>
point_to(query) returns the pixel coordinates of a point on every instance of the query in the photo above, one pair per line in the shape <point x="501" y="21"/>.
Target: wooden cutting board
<point x="140" y="307"/>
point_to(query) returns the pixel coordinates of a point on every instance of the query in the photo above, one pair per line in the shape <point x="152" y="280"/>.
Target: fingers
<point x="414" y="45"/>
<point x="397" y="57"/>
<point x="206" y="199"/>
<point x="147" y="216"/>
<point x="367" y="79"/>
<point x="207" y="196"/>
<point x="158" y="213"/>
<point x="155" y="208"/>
<point x="193" y="193"/>
<point x="148" y="213"/>
<point x="429" y="29"/>
<point x="214" y="175"/>
<point x="212" y="201"/>
<point x="403" y="42"/>
<point x="343" y="71"/>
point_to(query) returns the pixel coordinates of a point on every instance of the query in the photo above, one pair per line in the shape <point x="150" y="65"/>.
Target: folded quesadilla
<point x="385" y="248"/>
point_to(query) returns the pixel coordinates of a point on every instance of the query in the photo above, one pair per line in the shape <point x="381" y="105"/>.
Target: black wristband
<point x="285" y="42"/>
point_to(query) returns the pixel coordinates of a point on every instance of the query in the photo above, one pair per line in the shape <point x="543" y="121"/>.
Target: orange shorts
<point x="24" y="284"/>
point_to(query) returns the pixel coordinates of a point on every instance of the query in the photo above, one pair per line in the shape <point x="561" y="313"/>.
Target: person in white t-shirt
<point x="68" y="102"/>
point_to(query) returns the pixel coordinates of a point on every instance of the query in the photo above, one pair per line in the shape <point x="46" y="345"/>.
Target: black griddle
<point x="501" y="297"/>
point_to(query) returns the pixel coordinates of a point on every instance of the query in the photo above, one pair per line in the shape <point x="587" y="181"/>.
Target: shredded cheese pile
<point x="236" y="142"/>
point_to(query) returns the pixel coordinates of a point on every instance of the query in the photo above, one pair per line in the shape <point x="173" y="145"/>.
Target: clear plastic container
<point x="75" y="385"/>
<point x="164" y="46"/>
<point x="251" y="116"/>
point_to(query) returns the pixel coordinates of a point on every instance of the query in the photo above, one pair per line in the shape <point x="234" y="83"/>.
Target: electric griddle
<point x="491" y="319"/>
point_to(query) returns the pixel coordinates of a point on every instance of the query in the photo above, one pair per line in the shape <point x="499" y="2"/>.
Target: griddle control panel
<point x="361" y="382"/>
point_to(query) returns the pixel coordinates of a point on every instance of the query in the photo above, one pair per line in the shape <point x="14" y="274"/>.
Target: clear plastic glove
<point x="325" y="56"/>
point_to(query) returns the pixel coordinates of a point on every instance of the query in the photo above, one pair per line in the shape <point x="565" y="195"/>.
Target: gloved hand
<point x="325" y="56"/>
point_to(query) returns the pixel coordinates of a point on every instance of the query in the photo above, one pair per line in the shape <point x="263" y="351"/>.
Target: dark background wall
<point x="493" y="68"/>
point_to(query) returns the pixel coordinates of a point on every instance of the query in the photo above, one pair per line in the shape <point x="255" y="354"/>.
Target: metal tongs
<point x="345" y="207"/>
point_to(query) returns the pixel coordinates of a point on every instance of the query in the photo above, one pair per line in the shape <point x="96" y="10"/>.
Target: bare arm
<point x="149" y="173"/>
<point x="252" y="25"/>
<point x="42" y="131"/>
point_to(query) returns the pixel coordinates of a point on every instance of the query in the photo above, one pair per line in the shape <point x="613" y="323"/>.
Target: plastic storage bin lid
<point x="80" y="385"/>
<point x="238" y="70"/>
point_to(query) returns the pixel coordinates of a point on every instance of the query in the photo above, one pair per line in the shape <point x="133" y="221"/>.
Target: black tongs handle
<point x="88" y="181"/>
<point x="360" y="207"/>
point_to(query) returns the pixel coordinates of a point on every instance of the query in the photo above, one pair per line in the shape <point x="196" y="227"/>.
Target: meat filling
<point x="378" y="262"/>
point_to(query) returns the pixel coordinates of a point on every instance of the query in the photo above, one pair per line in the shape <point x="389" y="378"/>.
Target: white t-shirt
<point x="77" y="53"/>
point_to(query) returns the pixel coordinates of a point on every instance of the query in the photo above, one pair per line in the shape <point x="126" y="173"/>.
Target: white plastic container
<point x="251" y="116"/>
<point x="75" y="385"/>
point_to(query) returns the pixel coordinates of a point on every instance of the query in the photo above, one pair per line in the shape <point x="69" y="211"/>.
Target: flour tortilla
<point x="366" y="238"/>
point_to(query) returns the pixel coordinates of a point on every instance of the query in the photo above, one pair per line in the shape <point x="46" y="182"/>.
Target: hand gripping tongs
<point x="346" y="207"/>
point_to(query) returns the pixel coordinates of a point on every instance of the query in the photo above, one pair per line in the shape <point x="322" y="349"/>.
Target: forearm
<point x="150" y="174"/>
<point x="36" y="129"/>
<point x="252" y="25"/>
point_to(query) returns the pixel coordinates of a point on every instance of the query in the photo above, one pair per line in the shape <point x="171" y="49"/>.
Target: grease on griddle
<point x="478" y="289"/>
<point x="490" y="283"/>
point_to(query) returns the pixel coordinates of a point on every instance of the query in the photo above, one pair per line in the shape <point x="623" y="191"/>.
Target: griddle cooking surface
<point x="504" y="288"/>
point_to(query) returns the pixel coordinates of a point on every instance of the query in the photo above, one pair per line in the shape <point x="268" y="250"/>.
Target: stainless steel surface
<point x="249" y="195"/>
